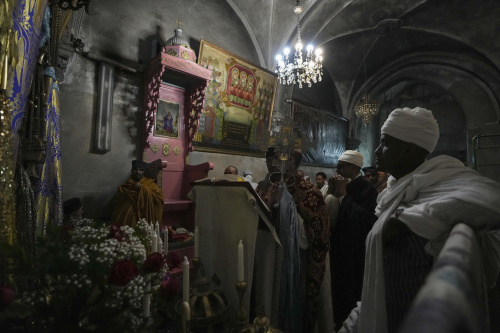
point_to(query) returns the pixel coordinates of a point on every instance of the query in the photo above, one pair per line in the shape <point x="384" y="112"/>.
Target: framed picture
<point x="323" y="135"/>
<point x="167" y="120"/>
<point x="238" y="104"/>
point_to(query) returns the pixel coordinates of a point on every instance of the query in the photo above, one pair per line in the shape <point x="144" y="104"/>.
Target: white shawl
<point x="440" y="193"/>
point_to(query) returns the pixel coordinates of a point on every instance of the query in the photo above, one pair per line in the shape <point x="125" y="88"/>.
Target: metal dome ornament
<point x="209" y="306"/>
<point x="177" y="46"/>
<point x="177" y="39"/>
<point x="366" y="109"/>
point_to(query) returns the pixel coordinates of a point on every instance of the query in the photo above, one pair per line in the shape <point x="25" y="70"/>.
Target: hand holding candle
<point x="241" y="275"/>
<point x="196" y="242"/>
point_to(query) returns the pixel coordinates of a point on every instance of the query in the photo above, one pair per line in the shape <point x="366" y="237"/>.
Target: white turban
<point x="416" y="126"/>
<point x="352" y="157"/>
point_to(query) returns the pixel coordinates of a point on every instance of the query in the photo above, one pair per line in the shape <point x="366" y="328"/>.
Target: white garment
<point x="249" y="178"/>
<point x="440" y="193"/>
<point x="324" y="190"/>
<point x="325" y="318"/>
<point x="333" y="208"/>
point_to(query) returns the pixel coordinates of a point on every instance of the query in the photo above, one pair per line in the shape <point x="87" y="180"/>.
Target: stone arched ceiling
<point x="468" y="30"/>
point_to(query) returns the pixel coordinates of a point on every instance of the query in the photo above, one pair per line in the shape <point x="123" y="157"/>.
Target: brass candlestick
<point x="196" y="263"/>
<point x="241" y="287"/>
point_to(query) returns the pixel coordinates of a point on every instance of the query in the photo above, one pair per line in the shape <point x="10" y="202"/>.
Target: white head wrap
<point x="416" y="126"/>
<point x="353" y="157"/>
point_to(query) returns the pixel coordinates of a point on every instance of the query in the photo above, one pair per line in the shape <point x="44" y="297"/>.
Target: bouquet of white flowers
<point x="84" y="276"/>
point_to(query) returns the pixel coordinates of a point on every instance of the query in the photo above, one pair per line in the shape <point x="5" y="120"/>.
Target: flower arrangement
<point x="84" y="276"/>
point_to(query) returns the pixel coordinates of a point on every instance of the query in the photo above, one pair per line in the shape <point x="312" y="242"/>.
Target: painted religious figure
<point x="167" y="120"/>
<point x="238" y="103"/>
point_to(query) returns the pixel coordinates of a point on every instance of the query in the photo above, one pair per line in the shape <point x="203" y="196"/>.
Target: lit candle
<point x="196" y="242"/>
<point x="165" y="241"/>
<point x="241" y="275"/>
<point x="185" y="280"/>
<point x="146" y="299"/>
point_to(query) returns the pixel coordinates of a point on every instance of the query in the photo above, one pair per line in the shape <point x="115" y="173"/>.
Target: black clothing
<point x="403" y="280"/>
<point x="347" y="256"/>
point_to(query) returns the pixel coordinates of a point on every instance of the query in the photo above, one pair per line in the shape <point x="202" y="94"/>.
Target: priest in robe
<point x="302" y="221"/>
<point x="139" y="197"/>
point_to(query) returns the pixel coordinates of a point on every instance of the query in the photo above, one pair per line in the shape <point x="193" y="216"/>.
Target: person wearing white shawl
<point x="426" y="198"/>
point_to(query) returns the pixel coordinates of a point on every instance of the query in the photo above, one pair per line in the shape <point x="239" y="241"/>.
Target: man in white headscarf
<point x="424" y="199"/>
<point x="358" y="198"/>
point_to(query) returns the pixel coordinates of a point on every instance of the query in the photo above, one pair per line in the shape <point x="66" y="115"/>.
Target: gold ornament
<point x="7" y="183"/>
<point x="177" y="150"/>
<point x="166" y="149"/>
<point x="155" y="148"/>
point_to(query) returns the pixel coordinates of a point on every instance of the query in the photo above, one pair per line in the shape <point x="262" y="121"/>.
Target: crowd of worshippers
<point x="370" y="234"/>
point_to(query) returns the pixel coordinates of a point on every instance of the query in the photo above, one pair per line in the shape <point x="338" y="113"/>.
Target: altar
<point x="227" y="211"/>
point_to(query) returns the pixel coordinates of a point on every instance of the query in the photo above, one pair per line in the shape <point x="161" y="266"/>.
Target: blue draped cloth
<point x="27" y="17"/>
<point x="48" y="190"/>
<point x="290" y="299"/>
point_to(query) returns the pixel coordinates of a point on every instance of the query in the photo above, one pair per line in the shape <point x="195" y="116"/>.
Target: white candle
<point x="158" y="229"/>
<point x="196" y="242"/>
<point x="185" y="280"/>
<point x="151" y="232"/>
<point x="160" y="244"/>
<point x="146" y="299"/>
<point x="186" y="311"/>
<point x="165" y="241"/>
<point x="241" y="275"/>
<point x="154" y="241"/>
<point x="186" y="316"/>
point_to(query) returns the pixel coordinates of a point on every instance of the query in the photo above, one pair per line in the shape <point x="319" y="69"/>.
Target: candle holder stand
<point x="241" y="287"/>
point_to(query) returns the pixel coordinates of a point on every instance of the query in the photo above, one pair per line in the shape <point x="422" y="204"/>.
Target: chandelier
<point x="365" y="109"/>
<point x="303" y="68"/>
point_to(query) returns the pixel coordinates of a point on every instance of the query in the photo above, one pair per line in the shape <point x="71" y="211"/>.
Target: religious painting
<point x="167" y="120"/>
<point x="238" y="104"/>
<point x="323" y="135"/>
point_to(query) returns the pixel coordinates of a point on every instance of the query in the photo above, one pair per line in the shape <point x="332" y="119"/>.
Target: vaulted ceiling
<point x="462" y="37"/>
<point x="444" y="55"/>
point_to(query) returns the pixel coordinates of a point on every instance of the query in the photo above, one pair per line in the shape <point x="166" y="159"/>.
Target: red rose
<point x="173" y="260"/>
<point x="169" y="288"/>
<point x="67" y="227"/>
<point x="123" y="272"/>
<point x="115" y="232"/>
<point x="154" y="262"/>
<point x="7" y="295"/>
